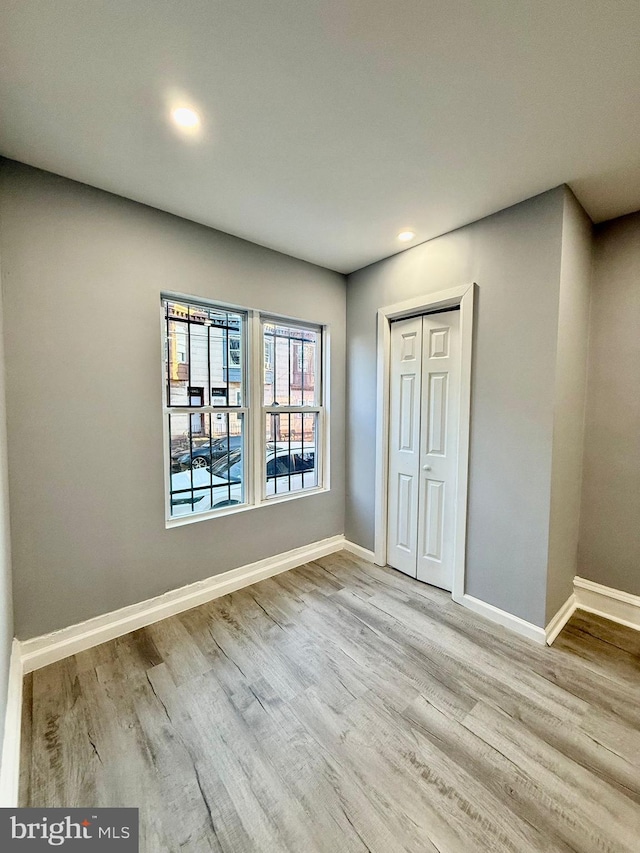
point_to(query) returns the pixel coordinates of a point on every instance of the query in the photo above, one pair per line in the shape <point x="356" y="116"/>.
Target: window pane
<point x="291" y="451"/>
<point x="291" y="359"/>
<point x="204" y="355"/>
<point x="206" y="462"/>
<point x="177" y="357"/>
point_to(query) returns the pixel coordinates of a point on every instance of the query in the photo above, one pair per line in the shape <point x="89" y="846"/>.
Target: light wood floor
<point x="343" y="707"/>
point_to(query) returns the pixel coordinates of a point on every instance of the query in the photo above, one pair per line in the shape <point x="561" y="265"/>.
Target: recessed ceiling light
<point x="405" y="236"/>
<point x="184" y="117"/>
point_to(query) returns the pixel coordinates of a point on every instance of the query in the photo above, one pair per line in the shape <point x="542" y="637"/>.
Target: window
<point x="291" y="406"/>
<point x="239" y="436"/>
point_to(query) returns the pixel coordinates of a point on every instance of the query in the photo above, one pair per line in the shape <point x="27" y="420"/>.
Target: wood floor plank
<point x="112" y="691"/>
<point x="65" y="765"/>
<point x="605" y="658"/>
<point x="594" y="815"/>
<point x="26" y="747"/>
<point x="480" y="816"/>
<point x="504" y="779"/>
<point x="343" y="708"/>
<point x="559" y="669"/>
<point x="607" y="631"/>
<point x="498" y="678"/>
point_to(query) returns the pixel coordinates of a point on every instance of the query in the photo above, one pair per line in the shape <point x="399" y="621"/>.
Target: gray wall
<point x="6" y="603"/>
<point x="570" y="394"/>
<point x="82" y="275"/>
<point x="514" y="256"/>
<point x="609" y="551"/>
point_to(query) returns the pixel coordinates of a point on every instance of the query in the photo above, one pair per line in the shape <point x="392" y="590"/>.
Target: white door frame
<point x="462" y="296"/>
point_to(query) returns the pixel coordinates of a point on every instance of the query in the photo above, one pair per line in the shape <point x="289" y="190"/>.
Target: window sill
<point x="182" y="520"/>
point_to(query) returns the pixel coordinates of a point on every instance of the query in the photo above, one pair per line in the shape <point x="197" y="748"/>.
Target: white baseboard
<point x="560" y="619"/>
<point x="613" y="604"/>
<point x="359" y="551"/>
<point x="10" y="767"/>
<point x="501" y="617"/>
<point x="49" y="648"/>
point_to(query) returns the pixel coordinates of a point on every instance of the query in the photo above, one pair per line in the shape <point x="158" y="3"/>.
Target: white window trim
<point x="254" y="432"/>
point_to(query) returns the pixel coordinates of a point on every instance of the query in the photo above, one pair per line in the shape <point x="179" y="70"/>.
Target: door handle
<point x="426" y="467"/>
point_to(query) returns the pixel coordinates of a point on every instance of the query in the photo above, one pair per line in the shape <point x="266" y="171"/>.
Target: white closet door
<point x="439" y="451"/>
<point x="404" y="444"/>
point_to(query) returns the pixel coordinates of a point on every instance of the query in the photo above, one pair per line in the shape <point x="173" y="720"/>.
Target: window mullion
<point x="255" y="432"/>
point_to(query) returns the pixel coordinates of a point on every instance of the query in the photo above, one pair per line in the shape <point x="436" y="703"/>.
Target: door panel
<point x="433" y="518"/>
<point x="437" y="414"/>
<point x="438" y="458"/>
<point x="403" y="521"/>
<point x="404" y="444"/>
<point x="408" y="404"/>
<point x="439" y="343"/>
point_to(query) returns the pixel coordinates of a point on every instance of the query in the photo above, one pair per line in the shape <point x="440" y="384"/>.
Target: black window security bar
<point x="215" y="463"/>
<point x="295" y="350"/>
<point x="205" y="424"/>
<point x="286" y="460"/>
<point x="303" y="354"/>
<point x="181" y="319"/>
<point x="207" y="407"/>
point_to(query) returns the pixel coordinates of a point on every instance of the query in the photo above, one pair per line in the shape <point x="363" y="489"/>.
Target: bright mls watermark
<point x="35" y="830"/>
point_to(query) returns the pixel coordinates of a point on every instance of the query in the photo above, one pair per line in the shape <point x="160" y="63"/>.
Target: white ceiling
<point x="329" y="125"/>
